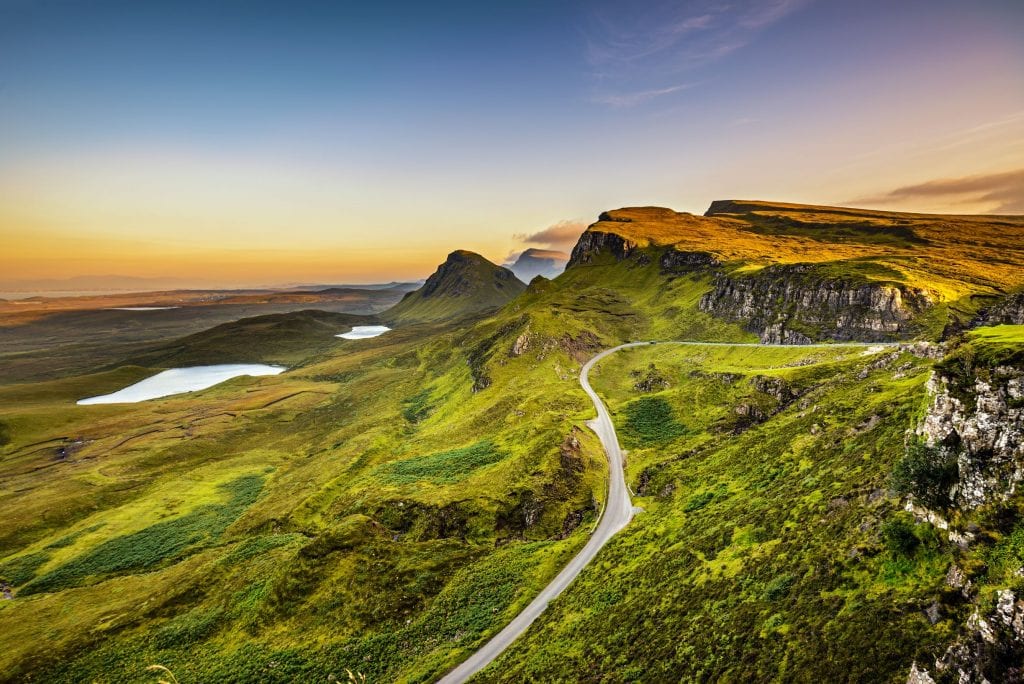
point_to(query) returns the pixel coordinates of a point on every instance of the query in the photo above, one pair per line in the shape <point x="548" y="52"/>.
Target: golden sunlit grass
<point x="953" y="256"/>
<point x="416" y="489"/>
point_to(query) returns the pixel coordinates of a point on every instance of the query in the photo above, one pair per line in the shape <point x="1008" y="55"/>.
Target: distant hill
<point x="465" y="283"/>
<point x="538" y="262"/>
<point x="275" y="338"/>
<point x="797" y="273"/>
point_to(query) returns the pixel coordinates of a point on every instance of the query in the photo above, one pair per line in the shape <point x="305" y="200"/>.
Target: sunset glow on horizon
<point x="248" y="144"/>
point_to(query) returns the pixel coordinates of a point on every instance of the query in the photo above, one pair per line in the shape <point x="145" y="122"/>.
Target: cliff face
<point x="1009" y="311"/>
<point x="979" y="420"/>
<point x="974" y="425"/>
<point x="594" y="243"/>
<point x="989" y="652"/>
<point x="792" y="304"/>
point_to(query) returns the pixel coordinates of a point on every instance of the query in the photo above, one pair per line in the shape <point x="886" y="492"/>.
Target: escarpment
<point x="594" y="243"/>
<point x="976" y="418"/>
<point x="793" y="304"/>
<point x="963" y="465"/>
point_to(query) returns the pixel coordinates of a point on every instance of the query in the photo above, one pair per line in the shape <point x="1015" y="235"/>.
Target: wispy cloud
<point x="561" y="236"/>
<point x="632" y="99"/>
<point x="654" y="44"/>
<point x="1003" y="192"/>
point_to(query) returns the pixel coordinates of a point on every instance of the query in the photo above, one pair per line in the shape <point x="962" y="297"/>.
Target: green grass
<point x="443" y="467"/>
<point x="21" y="569"/>
<point x="153" y="545"/>
<point x="408" y="511"/>
<point x="741" y="567"/>
<point x="651" y="420"/>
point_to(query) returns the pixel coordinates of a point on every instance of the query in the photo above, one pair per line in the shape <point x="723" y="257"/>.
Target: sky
<point x="263" y="143"/>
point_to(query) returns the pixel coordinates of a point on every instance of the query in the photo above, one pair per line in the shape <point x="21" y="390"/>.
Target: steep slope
<point x="539" y="262"/>
<point x="465" y="283"/>
<point x="795" y="273"/>
<point x="389" y="505"/>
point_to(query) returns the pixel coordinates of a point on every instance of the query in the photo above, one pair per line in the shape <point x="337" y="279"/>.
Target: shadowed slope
<point x="465" y="283"/>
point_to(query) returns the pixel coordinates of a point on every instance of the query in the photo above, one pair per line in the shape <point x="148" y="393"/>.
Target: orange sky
<point x="338" y="158"/>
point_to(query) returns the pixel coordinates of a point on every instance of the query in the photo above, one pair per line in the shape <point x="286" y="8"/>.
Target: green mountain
<point x="810" y="513"/>
<point x="465" y="283"/>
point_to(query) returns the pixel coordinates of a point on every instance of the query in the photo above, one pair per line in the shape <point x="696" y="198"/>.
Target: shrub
<point x="698" y="501"/>
<point x="898" y="535"/>
<point x="417" y="407"/>
<point x="166" y="540"/>
<point x="20" y="570"/>
<point x="926" y="473"/>
<point x="651" y="419"/>
<point x="444" y="467"/>
<point x="778" y="587"/>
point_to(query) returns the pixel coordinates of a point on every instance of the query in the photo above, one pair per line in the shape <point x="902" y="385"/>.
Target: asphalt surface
<point x="617" y="513"/>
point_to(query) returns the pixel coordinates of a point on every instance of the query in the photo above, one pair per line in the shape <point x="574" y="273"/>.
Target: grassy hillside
<point x="387" y="504"/>
<point x="466" y="283"/>
<point x="966" y="260"/>
<point x="276" y="338"/>
<point x="759" y="554"/>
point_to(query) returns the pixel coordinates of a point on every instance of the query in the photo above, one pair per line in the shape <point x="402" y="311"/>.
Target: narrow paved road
<point x="617" y="513"/>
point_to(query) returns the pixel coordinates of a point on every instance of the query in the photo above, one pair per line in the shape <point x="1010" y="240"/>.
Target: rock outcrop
<point x="674" y="261"/>
<point x="989" y="652"/>
<point x="795" y="304"/>
<point x="593" y="243"/>
<point x="979" y="419"/>
<point x="1008" y="311"/>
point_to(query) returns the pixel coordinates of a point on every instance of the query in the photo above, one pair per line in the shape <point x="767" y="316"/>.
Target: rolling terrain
<point x="42" y="338"/>
<point x="811" y="513"/>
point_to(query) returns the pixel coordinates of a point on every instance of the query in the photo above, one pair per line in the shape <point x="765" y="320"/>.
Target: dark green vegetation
<point x="926" y="473"/>
<point x="151" y="546"/>
<point x="445" y="467"/>
<point x="650" y="419"/>
<point x="388" y="504"/>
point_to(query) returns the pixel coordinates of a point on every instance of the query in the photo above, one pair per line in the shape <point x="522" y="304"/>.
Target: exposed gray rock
<point x="1009" y="311"/>
<point x="919" y="676"/>
<point x="990" y="651"/>
<point x="956" y="578"/>
<point x="983" y="425"/>
<point x="592" y="243"/>
<point x="795" y="304"/>
<point x="675" y="261"/>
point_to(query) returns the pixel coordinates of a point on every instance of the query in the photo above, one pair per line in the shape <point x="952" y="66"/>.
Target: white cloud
<point x="627" y="46"/>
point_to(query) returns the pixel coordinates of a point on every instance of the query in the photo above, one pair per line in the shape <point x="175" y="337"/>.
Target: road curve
<point x="618" y="511"/>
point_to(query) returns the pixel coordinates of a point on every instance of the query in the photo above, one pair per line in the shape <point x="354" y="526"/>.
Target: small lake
<point x="363" y="332"/>
<point x="181" y="380"/>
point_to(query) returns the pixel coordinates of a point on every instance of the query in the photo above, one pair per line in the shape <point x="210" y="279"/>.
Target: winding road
<point x="617" y="513"/>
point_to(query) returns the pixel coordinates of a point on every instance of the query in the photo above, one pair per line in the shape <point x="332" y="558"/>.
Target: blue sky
<point x="161" y="137"/>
